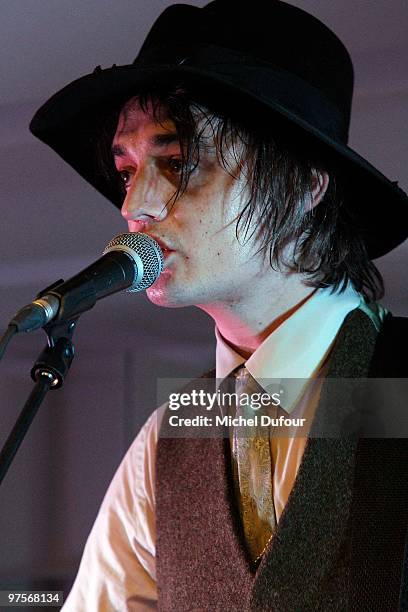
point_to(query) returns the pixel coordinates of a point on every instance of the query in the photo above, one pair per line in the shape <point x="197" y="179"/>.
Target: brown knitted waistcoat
<point x="202" y="562"/>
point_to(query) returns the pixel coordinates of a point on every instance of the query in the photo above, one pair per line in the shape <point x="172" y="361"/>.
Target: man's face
<point x="205" y="263"/>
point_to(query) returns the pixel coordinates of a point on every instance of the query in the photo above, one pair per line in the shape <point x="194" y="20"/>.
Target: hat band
<point x="271" y="85"/>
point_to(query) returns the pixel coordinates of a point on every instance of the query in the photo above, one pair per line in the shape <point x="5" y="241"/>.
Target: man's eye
<point x="175" y="165"/>
<point x="125" y="178"/>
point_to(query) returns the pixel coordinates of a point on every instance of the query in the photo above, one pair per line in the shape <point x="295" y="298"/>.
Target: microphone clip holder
<point x="48" y="372"/>
<point x="56" y="358"/>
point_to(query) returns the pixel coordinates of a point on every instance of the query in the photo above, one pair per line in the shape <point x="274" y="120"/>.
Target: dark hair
<point x="278" y="166"/>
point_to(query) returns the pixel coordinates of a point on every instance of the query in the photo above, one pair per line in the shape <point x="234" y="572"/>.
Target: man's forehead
<point x="134" y="117"/>
<point x="150" y="122"/>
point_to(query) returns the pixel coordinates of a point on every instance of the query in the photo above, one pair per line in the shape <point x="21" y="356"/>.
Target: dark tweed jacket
<point x="339" y="544"/>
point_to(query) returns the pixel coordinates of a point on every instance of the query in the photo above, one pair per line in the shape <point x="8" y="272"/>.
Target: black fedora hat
<point x="270" y="54"/>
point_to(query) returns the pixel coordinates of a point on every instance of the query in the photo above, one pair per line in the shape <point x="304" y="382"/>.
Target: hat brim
<point x="69" y="122"/>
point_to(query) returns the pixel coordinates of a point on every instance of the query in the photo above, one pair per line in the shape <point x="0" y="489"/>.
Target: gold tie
<point x="252" y="469"/>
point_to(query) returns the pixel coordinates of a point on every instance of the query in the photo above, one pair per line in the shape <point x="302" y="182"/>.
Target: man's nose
<point x="146" y="198"/>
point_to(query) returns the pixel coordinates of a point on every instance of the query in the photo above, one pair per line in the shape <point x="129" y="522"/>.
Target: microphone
<point x="131" y="261"/>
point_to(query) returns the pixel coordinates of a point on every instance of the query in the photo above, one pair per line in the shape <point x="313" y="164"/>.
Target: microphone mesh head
<point x="146" y="254"/>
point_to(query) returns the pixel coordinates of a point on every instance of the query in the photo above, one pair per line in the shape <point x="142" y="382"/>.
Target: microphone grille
<point x="145" y="252"/>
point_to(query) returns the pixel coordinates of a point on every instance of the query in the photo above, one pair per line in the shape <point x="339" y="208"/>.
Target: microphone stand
<point x="48" y="372"/>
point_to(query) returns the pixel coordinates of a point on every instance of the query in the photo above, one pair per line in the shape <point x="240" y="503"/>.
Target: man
<point x="227" y="144"/>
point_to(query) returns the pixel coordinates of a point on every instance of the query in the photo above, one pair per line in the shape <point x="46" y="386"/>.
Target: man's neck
<point x="244" y="326"/>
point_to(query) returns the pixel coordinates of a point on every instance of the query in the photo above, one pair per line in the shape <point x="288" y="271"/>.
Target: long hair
<point x="278" y="166"/>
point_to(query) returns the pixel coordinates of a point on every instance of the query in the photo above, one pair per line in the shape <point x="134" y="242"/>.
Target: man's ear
<point x="320" y="182"/>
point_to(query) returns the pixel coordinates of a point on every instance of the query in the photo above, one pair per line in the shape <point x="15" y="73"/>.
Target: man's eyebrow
<point x="158" y="140"/>
<point x="118" y="151"/>
<point x="162" y="140"/>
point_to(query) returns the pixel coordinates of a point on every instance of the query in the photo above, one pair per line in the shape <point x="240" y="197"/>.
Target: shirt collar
<point x="297" y="349"/>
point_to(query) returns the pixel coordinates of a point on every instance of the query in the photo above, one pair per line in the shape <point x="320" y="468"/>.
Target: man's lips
<point x="163" y="245"/>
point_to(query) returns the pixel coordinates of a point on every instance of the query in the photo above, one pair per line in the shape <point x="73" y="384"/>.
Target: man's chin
<point x="161" y="296"/>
